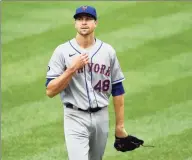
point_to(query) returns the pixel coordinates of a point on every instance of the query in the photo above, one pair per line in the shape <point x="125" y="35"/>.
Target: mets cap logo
<point x="84" y="8"/>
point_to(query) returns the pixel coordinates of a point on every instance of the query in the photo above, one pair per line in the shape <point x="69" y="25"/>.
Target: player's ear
<point x="74" y="22"/>
<point x="96" y="23"/>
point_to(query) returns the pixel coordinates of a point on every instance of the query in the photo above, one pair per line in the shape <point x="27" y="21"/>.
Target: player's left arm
<point x="118" y="102"/>
<point x="117" y="77"/>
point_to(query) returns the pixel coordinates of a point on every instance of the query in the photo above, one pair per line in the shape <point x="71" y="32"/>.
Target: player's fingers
<point x="81" y="58"/>
<point x="83" y="62"/>
<point x="85" y="55"/>
<point x="85" y="58"/>
<point x="86" y="61"/>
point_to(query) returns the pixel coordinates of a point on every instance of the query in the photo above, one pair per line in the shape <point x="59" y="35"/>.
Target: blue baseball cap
<point x="91" y="11"/>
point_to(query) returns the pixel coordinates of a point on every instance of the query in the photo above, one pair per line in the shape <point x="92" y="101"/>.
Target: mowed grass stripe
<point x="151" y="29"/>
<point x="26" y="48"/>
<point x="172" y="147"/>
<point x="133" y="15"/>
<point x="30" y="71"/>
<point x="155" y="51"/>
<point x="52" y="153"/>
<point x="158" y="97"/>
<point x="158" y="73"/>
<point x="57" y="152"/>
<point x="42" y="137"/>
<point x="28" y="93"/>
<point x="30" y="115"/>
<point x="43" y="58"/>
<point x="158" y="85"/>
<point x="33" y="19"/>
<point x="171" y="121"/>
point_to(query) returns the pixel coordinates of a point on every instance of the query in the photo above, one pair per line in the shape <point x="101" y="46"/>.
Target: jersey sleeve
<point x="116" y="72"/>
<point x="56" y="64"/>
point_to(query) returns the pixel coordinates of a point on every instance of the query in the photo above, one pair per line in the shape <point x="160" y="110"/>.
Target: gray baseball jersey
<point x="91" y="86"/>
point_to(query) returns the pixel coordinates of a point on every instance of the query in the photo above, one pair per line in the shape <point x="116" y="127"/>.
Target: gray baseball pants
<point x="86" y="133"/>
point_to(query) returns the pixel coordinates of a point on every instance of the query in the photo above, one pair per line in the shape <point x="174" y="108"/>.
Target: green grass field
<point x="153" y="43"/>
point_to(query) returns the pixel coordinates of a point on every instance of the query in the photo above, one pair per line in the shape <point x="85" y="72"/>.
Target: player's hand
<point x="120" y="132"/>
<point x="80" y="61"/>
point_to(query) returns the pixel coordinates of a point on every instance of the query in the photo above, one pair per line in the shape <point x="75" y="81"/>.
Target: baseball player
<point x="85" y="71"/>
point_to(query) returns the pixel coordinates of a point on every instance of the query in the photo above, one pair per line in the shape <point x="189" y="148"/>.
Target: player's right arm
<point x="59" y="83"/>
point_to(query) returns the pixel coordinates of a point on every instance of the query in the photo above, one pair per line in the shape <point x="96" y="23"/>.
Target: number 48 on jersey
<point x="102" y="86"/>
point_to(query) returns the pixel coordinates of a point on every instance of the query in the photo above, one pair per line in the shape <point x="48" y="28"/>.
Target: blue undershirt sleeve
<point x="117" y="89"/>
<point x="48" y="80"/>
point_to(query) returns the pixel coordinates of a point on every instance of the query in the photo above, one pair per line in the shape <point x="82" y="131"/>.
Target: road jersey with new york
<point x="91" y="85"/>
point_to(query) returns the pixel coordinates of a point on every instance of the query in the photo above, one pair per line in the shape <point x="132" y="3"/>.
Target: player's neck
<point x="85" y="41"/>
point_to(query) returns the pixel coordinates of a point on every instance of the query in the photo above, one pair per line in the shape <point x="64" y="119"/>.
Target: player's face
<point x="85" y="25"/>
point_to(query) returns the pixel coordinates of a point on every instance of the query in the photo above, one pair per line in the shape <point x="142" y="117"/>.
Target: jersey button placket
<point x="89" y="78"/>
<point x="92" y="97"/>
<point x="91" y="89"/>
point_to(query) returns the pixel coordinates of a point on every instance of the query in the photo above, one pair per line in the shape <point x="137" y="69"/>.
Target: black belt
<point x="89" y="110"/>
